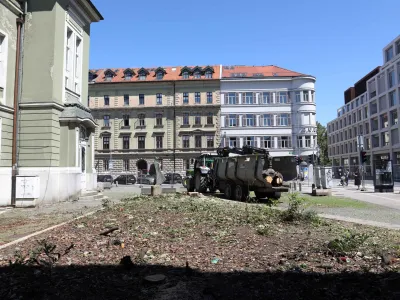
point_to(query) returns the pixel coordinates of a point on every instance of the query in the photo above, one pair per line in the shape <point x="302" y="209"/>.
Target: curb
<point x="47" y="229"/>
<point x="361" y="221"/>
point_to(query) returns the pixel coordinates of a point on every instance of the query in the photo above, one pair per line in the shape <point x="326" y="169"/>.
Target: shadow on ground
<point x="128" y="282"/>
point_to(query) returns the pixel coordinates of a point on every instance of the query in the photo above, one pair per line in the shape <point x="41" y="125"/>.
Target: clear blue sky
<point x="336" y="41"/>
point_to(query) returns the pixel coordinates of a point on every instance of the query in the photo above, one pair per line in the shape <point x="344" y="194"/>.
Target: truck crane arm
<point x="224" y="152"/>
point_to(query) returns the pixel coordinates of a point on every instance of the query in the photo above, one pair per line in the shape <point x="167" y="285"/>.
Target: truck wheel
<point x="228" y="191"/>
<point x="200" y="183"/>
<point x="261" y="195"/>
<point x="241" y="193"/>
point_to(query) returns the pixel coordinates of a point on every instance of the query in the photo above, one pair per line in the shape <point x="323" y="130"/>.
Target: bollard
<point x="294" y="186"/>
<point x="299" y="187"/>
<point x="116" y="183"/>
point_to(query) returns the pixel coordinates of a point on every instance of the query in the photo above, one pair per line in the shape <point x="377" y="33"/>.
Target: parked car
<point x="106" y="180"/>
<point x="177" y="178"/>
<point x="125" y="179"/>
<point x="146" y="179"/>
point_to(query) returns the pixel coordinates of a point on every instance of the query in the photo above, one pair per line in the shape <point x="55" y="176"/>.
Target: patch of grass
<point x="330" y="201"/>
<point x="347" y="243"/>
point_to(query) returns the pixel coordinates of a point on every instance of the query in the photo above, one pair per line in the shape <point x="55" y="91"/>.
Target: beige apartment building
<point x="170" y="113"/>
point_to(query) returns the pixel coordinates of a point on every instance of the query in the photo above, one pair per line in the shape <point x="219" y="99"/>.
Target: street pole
<point x="360" y="142"/>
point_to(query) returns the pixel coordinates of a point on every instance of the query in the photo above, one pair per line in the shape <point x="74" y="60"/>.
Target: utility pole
<point x="360" y="144"/>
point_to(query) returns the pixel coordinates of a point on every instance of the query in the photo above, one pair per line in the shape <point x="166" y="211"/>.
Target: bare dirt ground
<point x="203" y="248"/>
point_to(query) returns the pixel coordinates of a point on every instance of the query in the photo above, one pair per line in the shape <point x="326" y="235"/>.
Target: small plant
<point x="295" y="209"/>
<point x="106" y="203"/>
<point x="264" y="230"/>
<point x="347" y="243"/>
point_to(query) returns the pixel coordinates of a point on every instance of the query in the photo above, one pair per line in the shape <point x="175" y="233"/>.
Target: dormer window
<point x="143" y="74"/>
<point x="108" y="75"/>
<point x="128" y="74"/>
<point x="159" y="73"/>
<point x="197" y="72"/>
<point x="185" y="72"/>
<point x="208" y="72"/>
<point x="92" y="76"/>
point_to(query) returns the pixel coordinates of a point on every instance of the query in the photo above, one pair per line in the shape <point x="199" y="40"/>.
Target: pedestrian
<point x="357" y="179"/>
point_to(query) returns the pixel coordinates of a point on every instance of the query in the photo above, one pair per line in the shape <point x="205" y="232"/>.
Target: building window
<point x="384" y="121"/>
<point x="232" y="98"/>
<point x="267" y="142"/>
<point x="142" y="75"/>
<point x="392" y="98"/>
<point x="248" y="98"/>
<point x="106" y="121"/>
<point x="266" y="98"/>
<point x="159" y="99"/>
<point x="128" y="75"/>
<point x="283" y="120"/>
<point x="185" y="75"/>
<point x="141" y="142"/>
<point x="126" y="100"/>
<point x="185" y="119"/>
<point x="249" y="141"/>
<point x="308" y="141"/>
<point x="185" y="98"/>
<point x="398" y="47"/>
<point x="126" y="120"/>
<point x="159" y="142"/>
<point x="3" y="58"/>
<point x="159" y="119"/>
<point x="159" y="75"/>
<point x="106" y="165"/>
<point x="197" y="75"/>
<point x="210" y="141"/>
<point x="73" y="61"/>
<point x="197" y="141"/>
<point x="298" y="97"/>
<point x="233" y="121"/>
<point x="389" y="53"/>
<point x="197" y="97"/>
<point x="391" y="77"/>
<point x="197" y="118"/>
<point x="305" y="96"/>
<point x="185" y="141"/>
<point x="126" y="165"/>
<point x="210" y="118"/>
<point x="106" y="142"/>
<point x="106" y="100"/>
<point x="209" y="97"/>
<point x="394" y="117"/>
<point x="232" y="142"/>
<point x="209" y="74"/>
<point x="283" y="97"/>
<point x="142" y="120"/>
<point x="284" y="142"/>
<point x="249" y="120"/>
<point x="267" y="120"/>
<point x="141" y="99"/>
<point x="125" y="142"/>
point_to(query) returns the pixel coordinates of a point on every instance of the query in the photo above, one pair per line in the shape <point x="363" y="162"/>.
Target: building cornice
<point x="12" y="7"/>
<point x="6" y="109"/>
<point x="42" y="105"/>
<point x="268" y="79"/>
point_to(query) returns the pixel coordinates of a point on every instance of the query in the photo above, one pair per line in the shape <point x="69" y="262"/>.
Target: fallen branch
<point x="109" y="231"/>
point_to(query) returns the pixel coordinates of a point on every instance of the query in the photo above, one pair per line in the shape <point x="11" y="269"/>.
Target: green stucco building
<point x="53" y="149"/>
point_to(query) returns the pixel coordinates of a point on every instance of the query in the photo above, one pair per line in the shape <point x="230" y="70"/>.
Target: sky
<point x="338" y="41"/>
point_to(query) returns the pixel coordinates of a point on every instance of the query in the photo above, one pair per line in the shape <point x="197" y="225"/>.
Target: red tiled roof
<point x="257" y="71"/>
<point x="172" y="73"/>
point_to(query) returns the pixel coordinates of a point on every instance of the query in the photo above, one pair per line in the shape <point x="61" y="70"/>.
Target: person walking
<point x="357" y="178"/>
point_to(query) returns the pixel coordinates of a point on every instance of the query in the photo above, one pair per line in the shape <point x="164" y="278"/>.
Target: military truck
<point x="236" y="172"/>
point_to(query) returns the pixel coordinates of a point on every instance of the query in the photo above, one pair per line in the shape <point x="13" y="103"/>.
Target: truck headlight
<point x="269" y="179"/>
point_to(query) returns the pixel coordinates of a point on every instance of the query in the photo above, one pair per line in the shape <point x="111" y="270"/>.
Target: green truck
<point x="236" y="172"/>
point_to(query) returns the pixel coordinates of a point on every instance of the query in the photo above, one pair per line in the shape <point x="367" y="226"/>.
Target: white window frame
<point x="3" y="64"/>
<point x="73" y="70"/>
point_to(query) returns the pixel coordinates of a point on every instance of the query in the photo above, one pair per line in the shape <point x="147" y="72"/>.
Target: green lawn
<point x="329" y="201"/>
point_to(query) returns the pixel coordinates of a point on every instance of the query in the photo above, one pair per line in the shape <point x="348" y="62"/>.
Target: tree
<point x="322" y="140"/>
